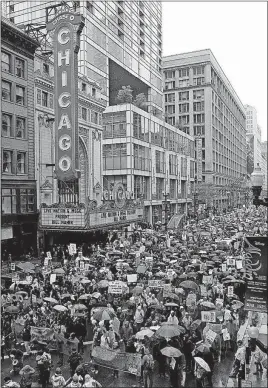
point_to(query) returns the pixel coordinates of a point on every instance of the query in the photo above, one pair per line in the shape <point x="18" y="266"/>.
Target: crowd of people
<point x="172" y="305"/>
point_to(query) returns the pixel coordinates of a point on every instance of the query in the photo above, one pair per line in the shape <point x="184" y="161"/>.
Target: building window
<point x="20" y="95"/>
<point x="160" y="165"/>
<point x="7" y="161"/>
<point x="6" y="125"/>
<point x="20" y="128"/>
<point x="84" y="114"/>
<point x="184" y="119"/>
<point x="184" y="83"/>
<point x="114" y="156"/>
<point x="45" y="99"/>
<point x="93" y="92"/>
<point x="183" y="96"/>
<point x="199" y="106"/>
<point x="21" y="162"/>
<point x="183" y="73"/>
<point x="170" y="85"/>
<point x="94" y="117"/>
<point x="45" y="68"/>
<point x="199" y="70"/>
<point x="199" y="130"/>
<point x="170" y="74"/>
<point x="6" y="90"/>
<point x="170" y="97"/>
<point x="199" y="118"/>
<point x="19" y="68"/>
<point x="142" y="159"/>
<point x="9" y="201"/>
<point x="27" y="200"/>
<point x="170" y="109"/>
<point x="6" y="62"/>
<point x="199" y="81"/>
<point x="198" y="94"/>
<point x="183" y="108"/>
<point x="84" y="87"/>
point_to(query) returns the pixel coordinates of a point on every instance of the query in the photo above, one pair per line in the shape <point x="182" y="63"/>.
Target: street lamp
<point x="257" y="179"/>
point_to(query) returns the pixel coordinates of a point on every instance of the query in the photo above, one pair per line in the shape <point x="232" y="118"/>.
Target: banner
<point x="210" y="337"/>
<point x="125" y="362"/>
<point x="208" y="316"/>
<point x="191" y="300"/>
<point x="256" y="261"/>
<point x="115" y="287"/>
<point x="41" y="334"/>
<point x="155" y="283"/>
<point x="132" y="278"/>
<point x="67" y="345"/>
<point x="207" y="279"/>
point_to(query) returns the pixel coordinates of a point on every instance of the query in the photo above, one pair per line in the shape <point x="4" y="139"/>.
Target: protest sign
<point x="210" y="337"/>
<point x="155" y="283"/>
<point x="72" y="249"/>
<point x="225" y="335"/>
<point x="239" y="264"/>
<point x="29" y="279"/>
<point x="49" y="256"/>
<point x="86" y="266"/>
<point x="115" y="287"/>
<point x="46" y="261"/>
<point x="191" y="300"/>
<point x="67" y="344"/>
<point x="230" y="291"/>
<point x="208" y="316"/>
<point x="231" y="262"/>
<point x="170" y="274"/>
<point x="41" y="334"/>
<point x="34" y="298"/>
<point x="82" y="264"/>
<point x="53" y="278"/>
<point x="132" y="278"/>
<point x="224" y="267"/>
<point x="207" y="279"/>
<point x="12" y="266"/>
<point x="125" y="362"/>
<point x="216" y="327"/>
<point x="203" y="290"/>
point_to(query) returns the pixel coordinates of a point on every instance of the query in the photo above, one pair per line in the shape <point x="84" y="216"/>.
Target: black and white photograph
<point x="134" y="232"/>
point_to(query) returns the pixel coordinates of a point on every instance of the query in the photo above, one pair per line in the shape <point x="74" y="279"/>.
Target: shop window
<point x="9" y="201"/>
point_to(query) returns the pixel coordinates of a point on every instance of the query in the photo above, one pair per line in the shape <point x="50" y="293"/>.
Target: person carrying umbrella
<point x="201" y="371"/>
<point x="147" y="363"/>
<point x="172" y="318"/>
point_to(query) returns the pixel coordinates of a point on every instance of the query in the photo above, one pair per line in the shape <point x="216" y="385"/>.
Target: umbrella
<point x="103" y="314"/>
<point x="168" y="330"/>
<point x="146" y="332"/>
<point x="79" y="306"/>
<point x="202" y="363"/>
<point x="103" y="284"/>
<point x="60" y="308"/>
<point x="96" y="295"/>
<point x="84" y="297"/>
<point x="65" y="296"/>
<point x="203" y="348"/>
<point x="179" y="291"/>
<point x="23" y="293"/>
<point x="160" y="273"/>
<point x="189" y="284"/>
<point x="50" y="300"/>
<point x="12" y="309"/>
<point x="171" y="304"/>
<point x="141" y="269"/>
<point x="237" y="303"/>
<point x="207" y="304"/>
<point x="171" y="295"/>
<point x="59" y="271"/>
<point x="169" y="351"/>
<point x="182" y="276"/>
<point x="137" y="290"/>
<point x="196" y="324"/>
<point x="85" y="281"/>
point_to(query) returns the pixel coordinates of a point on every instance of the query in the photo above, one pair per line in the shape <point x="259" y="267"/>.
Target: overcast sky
<point x="236" y="32"/>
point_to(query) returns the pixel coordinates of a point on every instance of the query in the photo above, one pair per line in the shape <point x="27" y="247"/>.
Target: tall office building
<point x="200" y="100"/>
<point x="121" y="43"/>
<point x="253" y="134"/>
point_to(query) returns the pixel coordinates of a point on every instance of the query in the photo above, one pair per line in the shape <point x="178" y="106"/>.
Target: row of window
<point x="13" y="127"/>
<point x="14" y="162"/>
<point x="197" y="70"/>
<point x="44" y="98"/>
<point x="12" y="64"/>
<point x="184" y="108"/>
<point x="15" y="201"/>
<point x="14" y="93"/>
<point x="183" y="96"/>
<point x="185" y="83"/>
<point x="89" y="115"/>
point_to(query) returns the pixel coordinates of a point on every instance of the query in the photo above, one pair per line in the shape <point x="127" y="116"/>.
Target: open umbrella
<point x="191" y="274"/>
<point x="182" y="276"/>
<point x="103" y="284"/>
<point x="168" y="330"/>
<point x="146" y="332"/>
<point x="202" y="363"/>
<point x="96" y="295"/>
<point x="50" y="300"/>
<point x="59" y="271"/>
<point x="23" y="293"/>
<point x="12" y="309"/>
<point x="189" y="284"/>
<point x="103" y="314"/>
<point x="169" y="351"/>
<point x="85" y="281"/>
<point x="158" y="307"/>
<point x="137" y="290"/>
<point x="171" y="304"/>
<point x="208" y="304"/>
<point x="179" y="291"/>
<point x="67" y="295"/>
<point x="84" y="297"/>
<point x="237" y="303"/>
<point x="203" y="348"/>
<point x="60" y="308"/>
<point x="79" y="306"/>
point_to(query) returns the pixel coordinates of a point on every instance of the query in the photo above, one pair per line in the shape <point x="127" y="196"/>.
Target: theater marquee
<point x="65" y="30"/>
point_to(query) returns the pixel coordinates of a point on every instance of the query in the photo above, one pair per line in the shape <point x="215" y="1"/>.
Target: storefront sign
<point x="256" y="292"/>
<point x="65" y="30"/>
<point x="62" y="217"/>
<point x="208" y="316"/>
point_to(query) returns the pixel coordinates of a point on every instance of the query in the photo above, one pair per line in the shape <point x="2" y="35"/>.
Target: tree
<point x="124" y="95"/>
<point x="140" y="100"/>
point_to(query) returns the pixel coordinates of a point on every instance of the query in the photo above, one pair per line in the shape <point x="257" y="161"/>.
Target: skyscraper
<point x="121" y="43"/>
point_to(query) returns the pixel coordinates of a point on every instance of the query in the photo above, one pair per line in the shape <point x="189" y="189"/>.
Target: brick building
<point x="19" y="213"/>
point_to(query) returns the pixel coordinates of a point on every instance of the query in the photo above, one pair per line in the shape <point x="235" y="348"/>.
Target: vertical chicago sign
<point x="65" y="30"/>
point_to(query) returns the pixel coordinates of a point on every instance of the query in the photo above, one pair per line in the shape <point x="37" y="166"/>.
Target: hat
<point x="58" y="371"/>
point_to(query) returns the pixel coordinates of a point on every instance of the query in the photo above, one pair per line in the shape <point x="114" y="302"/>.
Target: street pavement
<point x="105" y="376"/>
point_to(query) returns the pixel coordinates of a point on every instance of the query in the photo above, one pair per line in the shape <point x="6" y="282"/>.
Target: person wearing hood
<point x="57" y="380"/>
<point x="172" y="318"/>
<point x="74" y="382"/>
<point x="90" y="382"/>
